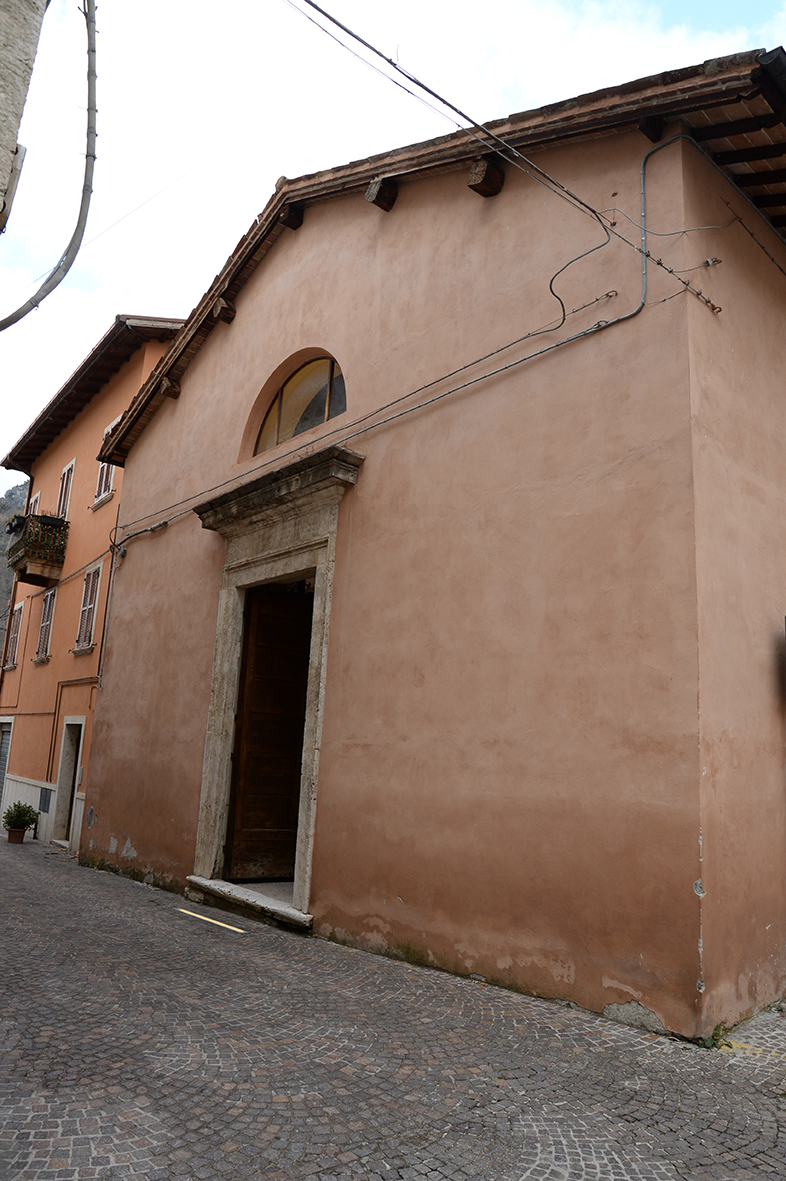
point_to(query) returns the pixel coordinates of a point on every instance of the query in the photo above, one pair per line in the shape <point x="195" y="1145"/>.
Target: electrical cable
<point x="559" y="190"/>
<point x="66" y="261"/>
<point x="305" y="450"/>
<point x="759" y="243"/>
<point x="371" y="65"/>
<point x="61" y="581"/>
<point x="502" y="147"/>
<point x="136" y="209"/>
<point x="538" y="174"/>
<point x="552" y="326"/>
<point x="666" y="233"/>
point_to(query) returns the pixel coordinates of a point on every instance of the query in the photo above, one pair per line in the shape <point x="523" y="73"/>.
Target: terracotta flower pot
<point x="16" y="836"/>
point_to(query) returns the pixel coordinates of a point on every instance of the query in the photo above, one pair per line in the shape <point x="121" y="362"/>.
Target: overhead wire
<point x="666" y="233"/>
<point x="130" y="212"/>
<point x="66" y="261"/>
<point x="357" y="428"/>
<point x="559" y="190"/>
<point x="339" y="430"/>
<point x="506" y="150"/>
<point x="371" y="65"/>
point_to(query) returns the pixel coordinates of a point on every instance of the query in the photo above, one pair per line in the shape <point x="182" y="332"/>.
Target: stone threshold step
<point x="254" y="900"/>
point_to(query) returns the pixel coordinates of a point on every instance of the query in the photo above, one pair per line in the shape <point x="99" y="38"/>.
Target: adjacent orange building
<point x="61" y="551"/>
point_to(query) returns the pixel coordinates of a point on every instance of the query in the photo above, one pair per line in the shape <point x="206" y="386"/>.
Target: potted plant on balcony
<point x="17" y="819"/>
<point x="48" y="517"/>
<point x="15" y="523"/>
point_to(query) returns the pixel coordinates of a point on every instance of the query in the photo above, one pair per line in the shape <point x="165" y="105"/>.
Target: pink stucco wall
<point x="739" y="438"/>
<point x="511" y="769"/>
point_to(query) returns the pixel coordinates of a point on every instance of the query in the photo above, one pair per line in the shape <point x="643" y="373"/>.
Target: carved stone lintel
<point x="291" y="215"/>
<point x="383" y="192"/>
<point x="486" y="176"/>
<point x="224" y="309"/>
<point x="280" y="493"/>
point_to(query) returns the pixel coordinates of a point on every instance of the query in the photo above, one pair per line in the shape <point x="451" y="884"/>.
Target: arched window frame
<point x="277" y="403"/>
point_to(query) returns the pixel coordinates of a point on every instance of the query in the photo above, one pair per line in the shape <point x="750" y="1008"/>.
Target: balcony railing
<point x="38" y="553"/>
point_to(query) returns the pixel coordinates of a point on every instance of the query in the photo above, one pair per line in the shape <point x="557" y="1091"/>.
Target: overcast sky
<point x="201" y="107"/>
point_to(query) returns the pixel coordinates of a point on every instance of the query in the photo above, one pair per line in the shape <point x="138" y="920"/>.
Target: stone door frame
<point x="280" y="527"/>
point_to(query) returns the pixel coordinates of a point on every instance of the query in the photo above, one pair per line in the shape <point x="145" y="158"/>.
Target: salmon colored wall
<point x="150" y="722"/>
<point x="509" y="772"/>
<point x="38" y="697"/>
<point x="739" y="444"/>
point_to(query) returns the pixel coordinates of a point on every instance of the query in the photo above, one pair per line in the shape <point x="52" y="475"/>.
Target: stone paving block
<point x="138" y="1044"/>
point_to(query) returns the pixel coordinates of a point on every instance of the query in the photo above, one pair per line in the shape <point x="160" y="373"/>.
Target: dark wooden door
<point x="269" y="734"/>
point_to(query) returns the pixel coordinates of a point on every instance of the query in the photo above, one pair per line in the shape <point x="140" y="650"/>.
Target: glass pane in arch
<point x="268" y="435"/>
<point x="304" y="398"/>
<point x="338" y="392"/>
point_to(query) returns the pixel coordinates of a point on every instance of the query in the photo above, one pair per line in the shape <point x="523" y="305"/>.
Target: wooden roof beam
<point x="769" y="200"/>
<point x="746" y="155"/>
<point x="486" y="176"/>
<point x="170" y="387"/>
<point x="772" y="176"/>
<point x="291" y="215"/>
<point x="739" y="127"/>
<point x="382" y="192"/>
<point x="224" y="309"/>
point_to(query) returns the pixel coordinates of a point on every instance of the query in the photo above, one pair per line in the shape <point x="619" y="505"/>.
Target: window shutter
<point x="104" y="480"/>
<point x="13" y="637"/>
<point x="89" y="596"/>
<point x="46" y="624"/>
<point x="65" y="491"/>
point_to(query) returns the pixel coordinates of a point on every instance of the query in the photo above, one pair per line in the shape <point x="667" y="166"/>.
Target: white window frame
<point x="6" y="720"/>
<point x="91" y="591"/>
<point x="66" y="487"/>
<point x="14" y="631"/>
<point x="105" y="485"/>
<point x="34" y="505"/>
<point x="45" y="630"/>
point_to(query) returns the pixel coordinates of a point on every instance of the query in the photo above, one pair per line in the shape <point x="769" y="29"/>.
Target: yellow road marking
<point x="754" y="1051"/>
<point x="205" y="919"/>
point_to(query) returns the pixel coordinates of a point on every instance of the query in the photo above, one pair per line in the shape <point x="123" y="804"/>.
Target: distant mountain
<point x="12" y="502"/>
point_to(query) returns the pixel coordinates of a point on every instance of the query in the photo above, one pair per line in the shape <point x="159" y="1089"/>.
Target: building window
<point x="84" y="638"/>
<point x="34" y="503"/>
<point x="311" y="396"/>
<point x="64" y="499"/>
<point x="104" y="486"/>
<point x="42" y="651"/>
<point x="106" y="471"/>
<point x="13" y="636"/>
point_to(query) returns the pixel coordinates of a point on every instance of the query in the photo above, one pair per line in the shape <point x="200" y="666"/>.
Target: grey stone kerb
<point x="280" y="527"/>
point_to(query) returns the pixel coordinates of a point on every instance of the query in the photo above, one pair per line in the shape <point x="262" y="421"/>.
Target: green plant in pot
<point x="17" y="819"/>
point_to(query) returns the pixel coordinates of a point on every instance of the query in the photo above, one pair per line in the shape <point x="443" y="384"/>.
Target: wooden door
<point x="268" y="751"/>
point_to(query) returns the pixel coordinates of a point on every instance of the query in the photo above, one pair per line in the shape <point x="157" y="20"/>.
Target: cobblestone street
<point x="139" y="1041"/>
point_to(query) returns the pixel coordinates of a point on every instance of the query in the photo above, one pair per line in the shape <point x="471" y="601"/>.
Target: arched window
<point x="313" y="394"/>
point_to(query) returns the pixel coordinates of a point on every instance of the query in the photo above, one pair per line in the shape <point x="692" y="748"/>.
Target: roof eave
<point x="602" y="111"/>
<point x="116" y="346"/>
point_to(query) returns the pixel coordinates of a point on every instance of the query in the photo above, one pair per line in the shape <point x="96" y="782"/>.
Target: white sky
<point x="202" y="106"/>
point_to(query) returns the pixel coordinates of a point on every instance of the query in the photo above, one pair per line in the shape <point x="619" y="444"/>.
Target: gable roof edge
<point x="600" y="112"/>
<point x="118" y="344"/>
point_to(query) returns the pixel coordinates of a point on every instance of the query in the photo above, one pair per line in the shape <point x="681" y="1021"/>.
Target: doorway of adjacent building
<point x="5" y="746"/>
<point x="271" y="715"/>
<point x="67" y="781"/>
